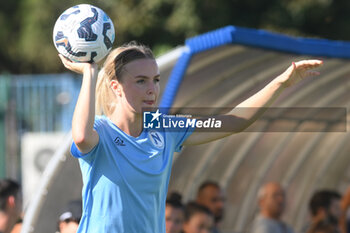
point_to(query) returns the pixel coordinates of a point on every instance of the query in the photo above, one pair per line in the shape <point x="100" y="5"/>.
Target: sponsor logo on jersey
<point x="119" y="141"/>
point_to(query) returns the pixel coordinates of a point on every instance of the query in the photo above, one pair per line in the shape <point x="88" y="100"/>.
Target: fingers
<point x="313" y="73"/>
<point x="78" y="67"/>
<point x="63" y="58"/>
<point x="303" y="67"/>
<point x="308" y="64"/>
<point x="73" y="66"/>
<point x="66" y="62"/>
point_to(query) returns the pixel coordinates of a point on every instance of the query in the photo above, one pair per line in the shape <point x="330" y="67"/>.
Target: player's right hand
<point x="78" y="67"/>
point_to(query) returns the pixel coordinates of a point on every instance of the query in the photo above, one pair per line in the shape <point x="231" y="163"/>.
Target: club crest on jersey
<point x="156" y="139"/>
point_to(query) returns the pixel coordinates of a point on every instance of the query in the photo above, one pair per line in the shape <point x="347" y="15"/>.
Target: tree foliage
<point x="26" y="25"/>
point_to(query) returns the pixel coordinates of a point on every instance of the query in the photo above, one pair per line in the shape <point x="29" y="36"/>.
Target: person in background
<point x="271" y="198"/>
<point x="70" y="218"/>
<point x="324" y="206"/>
<point x="198" y="219"/>
<point x="210" y="195"/>
<point x="322" y="227"/>
<point x="344" y="221"/>
<point x="10" y="204"/>
<point x="174" y="213"/>
<point x="18" y="227"/>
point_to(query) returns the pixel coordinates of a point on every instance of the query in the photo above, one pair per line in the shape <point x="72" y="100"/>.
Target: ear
<point x="11" y="201"/>
<point x="62" y="226"/>
<point x="115" y="85"/>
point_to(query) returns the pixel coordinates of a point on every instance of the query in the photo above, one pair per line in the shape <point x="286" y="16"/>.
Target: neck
<point x="318" y="217"/>
<point x="271" y="216"/>
<point x="130" y="123"/>
<point x="217" y="224"/>
<point x="6" y="222"/>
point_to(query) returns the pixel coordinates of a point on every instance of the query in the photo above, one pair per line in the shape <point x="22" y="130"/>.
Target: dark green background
<point x="26" y="25"/>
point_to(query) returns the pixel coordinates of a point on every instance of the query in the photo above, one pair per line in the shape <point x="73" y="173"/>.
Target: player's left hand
<point x="298" y="71"/>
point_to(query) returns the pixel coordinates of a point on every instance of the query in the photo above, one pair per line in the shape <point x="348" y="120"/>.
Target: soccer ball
<point x="84" y="33"/>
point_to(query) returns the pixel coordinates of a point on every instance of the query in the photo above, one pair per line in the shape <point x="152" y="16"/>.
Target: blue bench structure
<point x="225" y="66"/>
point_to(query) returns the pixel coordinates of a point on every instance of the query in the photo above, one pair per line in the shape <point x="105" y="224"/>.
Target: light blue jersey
<point x="126" y="179"/>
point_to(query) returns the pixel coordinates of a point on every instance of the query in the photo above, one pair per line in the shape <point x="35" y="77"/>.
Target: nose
<point x="221" y="203"/>
<point x="152" y="88"/>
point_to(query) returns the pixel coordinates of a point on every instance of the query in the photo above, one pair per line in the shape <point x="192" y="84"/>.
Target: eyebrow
<point x="140" y="76"/>
<point x="143" y="76"/>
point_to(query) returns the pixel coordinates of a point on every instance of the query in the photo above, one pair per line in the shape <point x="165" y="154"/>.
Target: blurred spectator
<point x="70" y="218"/>
<point x="322" y="227"/>
<point x="325" y="207"/>
<point x="210" y="195"/>
<point x="174" y="213"/>
<point x="10" y="204"/>
<point x="271" y="199"/>
<point x="198" y="219"/>
<point x="344" y="221"/>
<point x="17" y="228"/>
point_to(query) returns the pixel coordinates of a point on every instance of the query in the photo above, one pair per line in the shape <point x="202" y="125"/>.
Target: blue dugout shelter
<point x="222" y="68"/>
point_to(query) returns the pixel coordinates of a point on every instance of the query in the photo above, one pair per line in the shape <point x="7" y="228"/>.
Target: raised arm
<point x="84" y="136"/>
<point x="251" y="109"/>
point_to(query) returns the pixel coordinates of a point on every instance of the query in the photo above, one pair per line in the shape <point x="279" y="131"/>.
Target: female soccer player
<point x="126" y="169"/>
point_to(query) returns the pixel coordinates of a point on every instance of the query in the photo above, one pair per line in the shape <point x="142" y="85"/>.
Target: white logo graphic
<point x="153" y="123"/>
<point x="152" y="120"/>
<point x="156" y="115"/>
<point x="156" y="139"/>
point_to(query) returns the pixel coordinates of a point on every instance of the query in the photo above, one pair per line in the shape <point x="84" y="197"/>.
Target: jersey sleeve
<point x="98" y="126"/>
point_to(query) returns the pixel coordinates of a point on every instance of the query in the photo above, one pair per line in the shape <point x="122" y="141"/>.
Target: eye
<point x="156" y="80"/>
<point x="140" y="81"/>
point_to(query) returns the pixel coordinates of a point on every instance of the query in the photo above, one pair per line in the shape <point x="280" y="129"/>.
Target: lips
<point x="149" y="102"/>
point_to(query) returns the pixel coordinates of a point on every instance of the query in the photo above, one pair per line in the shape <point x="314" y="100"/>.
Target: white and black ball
<point x="84" y="33"/>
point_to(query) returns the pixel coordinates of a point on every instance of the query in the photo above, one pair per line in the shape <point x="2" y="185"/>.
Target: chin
<point x="148" y="106"/>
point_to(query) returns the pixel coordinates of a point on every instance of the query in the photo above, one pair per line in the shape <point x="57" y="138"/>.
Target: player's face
<point x="174" y="218"/>
<point x="199" y="223"/>
<point x="139" y="85"/>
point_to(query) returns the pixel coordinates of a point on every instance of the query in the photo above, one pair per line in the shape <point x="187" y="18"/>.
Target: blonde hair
<point x="113" y="69"/>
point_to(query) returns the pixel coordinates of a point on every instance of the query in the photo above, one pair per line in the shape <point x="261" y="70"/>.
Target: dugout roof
<point x="227" y="66"/>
